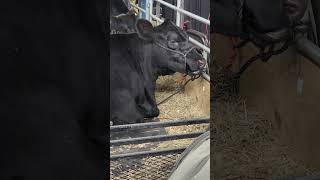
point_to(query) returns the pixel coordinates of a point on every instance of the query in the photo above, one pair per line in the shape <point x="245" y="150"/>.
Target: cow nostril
<point x="201" y="63"/>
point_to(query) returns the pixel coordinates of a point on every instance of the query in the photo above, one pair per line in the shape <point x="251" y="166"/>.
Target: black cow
<point x="136" y="61"/>
<point x="123" y="23"/>
<point x="232" y="17"/>
<point x="52" y="74"/>
<point x="118" y="7"/>
<point x="121" y="19"/>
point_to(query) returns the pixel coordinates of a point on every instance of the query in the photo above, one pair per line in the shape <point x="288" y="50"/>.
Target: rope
<point x="178" y="52"/>
<point x="262" y="56"/>
<point x="178" y="91"/>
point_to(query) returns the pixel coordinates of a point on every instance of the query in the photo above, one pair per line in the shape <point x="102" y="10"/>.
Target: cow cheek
<point x="179" y="65"/>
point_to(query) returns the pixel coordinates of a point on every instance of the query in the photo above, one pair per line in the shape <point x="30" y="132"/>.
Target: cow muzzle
<point x="200" y="68"/>
<point x="192" y="71"/>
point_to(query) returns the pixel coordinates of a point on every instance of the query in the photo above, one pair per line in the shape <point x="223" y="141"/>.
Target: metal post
<point x="158" y="11"/>
<point x="150" y="10"/>
<point x="178" y="18"/>
<point x="187" y="13"/>
<point x="147" y="16"/>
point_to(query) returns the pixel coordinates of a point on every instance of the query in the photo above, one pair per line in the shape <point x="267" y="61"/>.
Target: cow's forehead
<point x="168" y="27"/>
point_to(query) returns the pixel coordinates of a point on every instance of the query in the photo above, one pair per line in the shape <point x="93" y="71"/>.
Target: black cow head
<point x="171" y="48"/>
<point x="123" y="23"/>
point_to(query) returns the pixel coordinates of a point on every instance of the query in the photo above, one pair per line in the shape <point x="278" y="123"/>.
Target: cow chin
<point x="193" y="68"/>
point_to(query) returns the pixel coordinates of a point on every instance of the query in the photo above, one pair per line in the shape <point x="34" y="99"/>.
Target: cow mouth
<point x="200" y="66"/>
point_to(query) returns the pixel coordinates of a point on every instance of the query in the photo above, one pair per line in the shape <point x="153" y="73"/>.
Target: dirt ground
<point x="193" y="102"/>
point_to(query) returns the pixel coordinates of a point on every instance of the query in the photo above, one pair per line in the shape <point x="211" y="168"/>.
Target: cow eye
<point x="173" y="44"/>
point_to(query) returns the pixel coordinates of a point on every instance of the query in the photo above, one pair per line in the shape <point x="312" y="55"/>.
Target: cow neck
<point x="146" y="60"/>
<point x="140" y="57"/>
<point x="143" y="51"/>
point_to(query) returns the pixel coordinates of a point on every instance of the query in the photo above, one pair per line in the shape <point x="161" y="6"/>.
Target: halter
<point x="180" y="53"/>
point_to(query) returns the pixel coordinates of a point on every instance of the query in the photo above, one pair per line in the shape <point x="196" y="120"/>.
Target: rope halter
<point x="184" y="55"/>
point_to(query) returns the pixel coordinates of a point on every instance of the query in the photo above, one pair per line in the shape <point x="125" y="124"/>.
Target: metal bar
<point x="197" y="43"/>
<point x="178" y="17"/>
<point x="156" y="18"/>
<point x="147" y="139"/>
<point x="147" y="153"/>
<point x="158" y="9"/>
<point x="309" y="50"/>
<point x="132" y="4"/>
<point x="150" y="2"/>
<point x="193" y="41"/>
<point x="181" y="122"/>
<point x="206" y="77"/>
<point x="147" y="14"/>
<point x="194" y="16"/>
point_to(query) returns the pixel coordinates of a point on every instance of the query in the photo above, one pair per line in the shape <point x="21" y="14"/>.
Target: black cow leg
<point x="126" y="116"/>
<point x="149" y="107"/>
<point x="123" y="109"/>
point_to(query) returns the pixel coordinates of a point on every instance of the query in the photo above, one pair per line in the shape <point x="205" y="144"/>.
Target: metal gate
<point x="130" y="160"/>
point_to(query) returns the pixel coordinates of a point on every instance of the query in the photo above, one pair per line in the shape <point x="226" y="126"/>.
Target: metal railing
<point x="179" y="11"/>
<point x="178" y="122"/>
<point x="182" y="11"/>
<point x="154" y="138"/>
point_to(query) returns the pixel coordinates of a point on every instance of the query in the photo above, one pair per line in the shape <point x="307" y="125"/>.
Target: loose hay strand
<point x="245" y="146"/>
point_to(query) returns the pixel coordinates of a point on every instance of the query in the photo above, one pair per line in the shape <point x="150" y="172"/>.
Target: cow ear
<point x="144" y="29"/>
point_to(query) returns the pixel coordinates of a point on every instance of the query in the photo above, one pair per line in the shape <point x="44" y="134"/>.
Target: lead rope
<point x="178" y="91"/>
<point x="185" y="62"/>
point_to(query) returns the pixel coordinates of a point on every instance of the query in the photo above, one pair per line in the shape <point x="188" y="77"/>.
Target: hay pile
<point x="180" y="106"/>
<point x="244" y="145"/>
